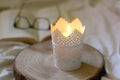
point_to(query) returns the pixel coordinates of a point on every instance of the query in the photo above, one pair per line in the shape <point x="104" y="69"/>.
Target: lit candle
<point x="67" y="42"/>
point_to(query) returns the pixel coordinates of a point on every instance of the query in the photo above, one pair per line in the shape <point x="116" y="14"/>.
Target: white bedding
<point x="102" y="21"/>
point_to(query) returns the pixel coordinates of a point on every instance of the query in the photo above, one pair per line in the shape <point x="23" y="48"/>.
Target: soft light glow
<point x="68" y="31"/>
<point x="82" y="29"/>
<point x="67" y="28"/>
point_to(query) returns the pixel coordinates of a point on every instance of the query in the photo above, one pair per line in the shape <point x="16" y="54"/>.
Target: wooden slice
<point x="36" y="63"/>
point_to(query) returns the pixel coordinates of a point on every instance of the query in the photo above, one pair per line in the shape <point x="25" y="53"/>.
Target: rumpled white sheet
<point x="102" y="21"/>
<point x="8" y="51"/>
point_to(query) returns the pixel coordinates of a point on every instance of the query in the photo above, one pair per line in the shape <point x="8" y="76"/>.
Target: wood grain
<point x="36" y="63"/>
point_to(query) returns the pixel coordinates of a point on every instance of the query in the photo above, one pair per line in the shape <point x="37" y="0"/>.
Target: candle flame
<point x="67" y="28"/>
<point x="68" y="31"/>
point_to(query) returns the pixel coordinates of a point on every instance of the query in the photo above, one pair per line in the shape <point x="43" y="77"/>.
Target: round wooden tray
<point x="36" y="63"/>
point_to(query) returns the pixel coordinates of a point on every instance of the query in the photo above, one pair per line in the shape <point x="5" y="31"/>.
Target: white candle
<point x="67" y="41"/>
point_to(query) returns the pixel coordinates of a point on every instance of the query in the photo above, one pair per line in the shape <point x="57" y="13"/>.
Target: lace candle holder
<point x="67" y="42"/>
